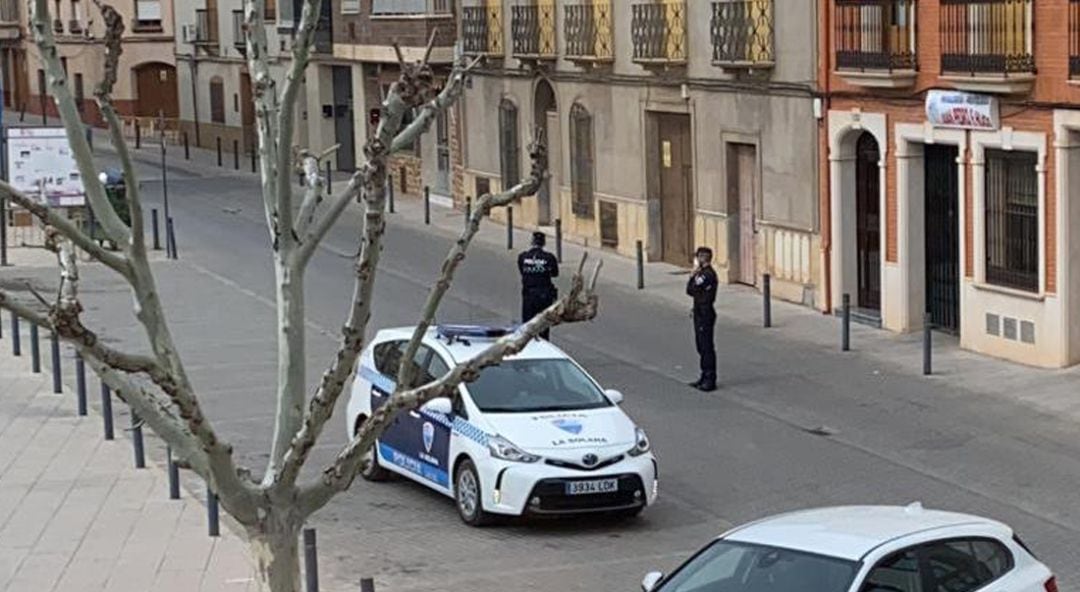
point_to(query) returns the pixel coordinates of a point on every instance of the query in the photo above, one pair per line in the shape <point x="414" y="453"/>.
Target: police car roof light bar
<point x="461" y="332"/>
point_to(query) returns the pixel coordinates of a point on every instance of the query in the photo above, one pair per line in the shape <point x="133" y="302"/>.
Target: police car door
<point x="434" y="427"/>
<point x="394" y="443"/>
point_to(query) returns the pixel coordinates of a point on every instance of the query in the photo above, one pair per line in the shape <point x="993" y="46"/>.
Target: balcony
<point x="75" y="27"/>
<point x="589" y="36"/>
<point x="205" y="28"/>
<point x="987" y="45"/>
<point x="58" y="26"/>
<point x="742" y="34"/>
<point x="411" y="8"/>
<point x="239" y="32"/>
<point x="658" y="32"/>
<point x="875" y="42"/>
<point x="532" y="29"/>
<point x="482" y="30"/>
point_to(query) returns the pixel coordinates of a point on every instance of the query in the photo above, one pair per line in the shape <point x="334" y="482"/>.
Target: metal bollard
<point x="2" y="318"/>
<point x="766" y="295"/>
<point x="845" y="325"/>
<point x="155" y="231"/>
<point x="80" y="385"/>
<point x="137" y="441"/>
<point x="390" y="191"/>
<point x="16" y="345"/>
<point x="35" y="350"/>
<point x="213" y="525"/>
<point x="106" y="411"/>
<point x="174" y="474"/>
<point x="311" y="561"/>
<point x="367" y="585"/>
<point x="468" y="211"/>
<point x="558" y="239"/>
<point x="187" y="148"/>
<point x="236" y="155"/>
<point x="57" y="383"/>
<point x="138" y="135"/>
<point x="927" y="346"/>
<point x="254" y="164"/>
<point x="427" y="205"/>
<point x="90" y="137"/>
<point x="329" y="179"/>
<point x="3" y="233"/>
<point x="170" y="235"/>
<point x="219" y="161"/>
<point x="510" y="228"/>
<point x="640" y="248"/>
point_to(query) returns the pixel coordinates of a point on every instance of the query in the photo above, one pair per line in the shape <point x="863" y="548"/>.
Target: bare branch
<point x="265" y="96"/>
<point x="313" y="196"/>
<point x="430" y="45"/>
<point x="455" y="85"/>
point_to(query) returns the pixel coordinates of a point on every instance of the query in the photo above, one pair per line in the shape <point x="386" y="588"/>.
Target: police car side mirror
<point x="441" y="405"/>
<point x="651" y="579"/>
<point x="614" y="396"/>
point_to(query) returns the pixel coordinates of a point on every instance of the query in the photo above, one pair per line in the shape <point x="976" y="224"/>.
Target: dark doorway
<point x="868" y="222"/>
<point x="343" y="118"/>
<point x="156" y="91"/>
<point x="545" y="108"/>
<point x="675" y="166"/>
<point x="742" y="196"/>
<point x="247" y="112"/>
<point x="942" y="237"/>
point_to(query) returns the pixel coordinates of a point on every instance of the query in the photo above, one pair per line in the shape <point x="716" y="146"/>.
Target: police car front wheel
<point x="371" y="471"/>
<point x="467" y="495"/>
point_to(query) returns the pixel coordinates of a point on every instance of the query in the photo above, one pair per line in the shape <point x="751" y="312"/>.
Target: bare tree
<point x="272" y="509"/>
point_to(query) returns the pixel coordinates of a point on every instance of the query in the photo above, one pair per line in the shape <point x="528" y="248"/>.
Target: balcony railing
<point x="658" y="31"/>
<point x="987" y="37"/>
<point x="588" y="31"/>
<point x="532" y="28"/>
<point x="875" y="35"/>
<point x="9" y="11"/>
<point x="1074" y="38"/>
<point x="742" y="33"/>
<point x="391" y="8"/>
<point x="482" y="29"/>
<point x="75" y="27"/>
<point x="238" y="31"/>
<point x="205" y="28"/>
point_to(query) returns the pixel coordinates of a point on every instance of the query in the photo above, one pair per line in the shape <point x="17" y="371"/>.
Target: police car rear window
<point x="535" y="385"/>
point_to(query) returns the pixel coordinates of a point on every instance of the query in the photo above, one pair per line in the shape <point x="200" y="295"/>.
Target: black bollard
<point x="35" y="350"/>
<point x="174" y="474"/>
<point x="170" y="235"/>
<point x="640" y="249"/>
<point x="427" y="205"/>
<point x="106" y="410"/>
<point x="137" y="441"/>
<point x="187" y="148"/>
<point x="390" y="191"/>
<point x="213" y="527"/>
<point x="219" y="161"/>
<point x="22" y="113"/>
<point x="329" y="179"/>
<point x="468" y="211"/>
<point x="845" y="325"/>
<point x="155" y="230"/>
<point x="57" y="383"/>
<point x="254" y="164"/>
<point x="311" y="561"/>
<point x="80" y="384"/>
<point x="3" y="232"/>
<point x="90" y="137"/>
<point x="138" y="135"/>
<point x="766" y="295"/>
<point x="1" y="326"/>
<point x="927" y="346"/>
<point x="367" y="585"/>
<point x="510" y="228"/>
<point x="236" y="155"/>
<point x="16" y="345"/>
<point x="558" y="239"/>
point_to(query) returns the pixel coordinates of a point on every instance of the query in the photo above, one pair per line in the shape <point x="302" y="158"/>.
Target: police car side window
<point x="387" y="356"/>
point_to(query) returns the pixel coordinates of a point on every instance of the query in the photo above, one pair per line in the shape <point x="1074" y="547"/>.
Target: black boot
<point x="696" y="383"/>
<point x="707" y="384"/>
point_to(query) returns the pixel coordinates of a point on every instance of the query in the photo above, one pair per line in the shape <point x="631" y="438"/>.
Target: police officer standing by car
<point x="702" y="288"/>
<point x="537" y="268"/>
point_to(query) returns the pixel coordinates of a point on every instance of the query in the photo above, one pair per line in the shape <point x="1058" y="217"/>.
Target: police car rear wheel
<point x="371" y="471"/>
<point x="467" y="496"/>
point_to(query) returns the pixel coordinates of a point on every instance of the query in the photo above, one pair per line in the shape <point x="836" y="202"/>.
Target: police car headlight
<point x="502" y="448"/>
<point x="641" y="444"/>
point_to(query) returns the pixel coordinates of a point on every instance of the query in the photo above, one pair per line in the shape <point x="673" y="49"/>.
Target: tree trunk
<point x="276" y="553"/>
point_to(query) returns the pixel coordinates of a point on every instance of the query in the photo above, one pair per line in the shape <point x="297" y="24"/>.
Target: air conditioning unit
<point x="190" y="33"/>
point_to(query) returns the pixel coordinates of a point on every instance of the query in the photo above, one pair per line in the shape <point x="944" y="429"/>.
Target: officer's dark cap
<point x="706" y="251"/>
<point x="539" y="239"/>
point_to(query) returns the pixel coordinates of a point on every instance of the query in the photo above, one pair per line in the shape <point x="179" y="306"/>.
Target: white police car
<point x="535" y="435"/>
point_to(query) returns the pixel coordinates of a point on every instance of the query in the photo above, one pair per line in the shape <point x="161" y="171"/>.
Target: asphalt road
<point x="744" y="452"/>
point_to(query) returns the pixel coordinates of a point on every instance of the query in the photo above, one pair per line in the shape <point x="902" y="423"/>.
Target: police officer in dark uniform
<point x="537" y="268"/>
<point x="702" y="288"/>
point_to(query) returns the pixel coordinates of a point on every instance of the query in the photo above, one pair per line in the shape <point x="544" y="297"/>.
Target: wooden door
<point x="247" y="112"/>
<point x="742" y="200"/>
<point x="550" y="209"/>
<point x="155" y="87"/>
<point x="676" y="174"/>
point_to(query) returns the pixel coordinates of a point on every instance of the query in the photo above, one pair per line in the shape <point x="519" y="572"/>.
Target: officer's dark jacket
<point x="537" y="268"/>
<point x="702" y="287"/>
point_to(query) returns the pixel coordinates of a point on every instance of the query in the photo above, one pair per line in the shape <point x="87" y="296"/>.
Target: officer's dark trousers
<point x="534" y="302"/>
<point x="704" y="329"/>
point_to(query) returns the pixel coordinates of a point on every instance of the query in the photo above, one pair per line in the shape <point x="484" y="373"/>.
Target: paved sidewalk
<point x="75" y="515"/>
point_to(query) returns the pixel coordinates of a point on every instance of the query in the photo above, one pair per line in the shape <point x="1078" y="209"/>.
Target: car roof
<point x="850" y="532"/>
<point x="466" y="348"/>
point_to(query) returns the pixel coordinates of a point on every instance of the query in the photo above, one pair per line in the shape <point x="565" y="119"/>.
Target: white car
<point x="862" y="549"/>
<point x="535" y="435"/>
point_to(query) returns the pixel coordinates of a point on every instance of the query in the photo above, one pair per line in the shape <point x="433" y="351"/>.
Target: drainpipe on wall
<point x="825" y="200"/>
<point x="195" y="96"/>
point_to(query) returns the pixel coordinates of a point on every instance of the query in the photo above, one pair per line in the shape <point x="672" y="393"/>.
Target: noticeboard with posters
<point x="40" y="163"/>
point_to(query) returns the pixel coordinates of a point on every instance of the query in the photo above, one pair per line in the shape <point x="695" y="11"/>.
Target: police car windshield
<point x="518" y="386"/>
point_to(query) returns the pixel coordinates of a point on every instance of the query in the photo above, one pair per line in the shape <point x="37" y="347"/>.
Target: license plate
<point x="589" y="487"/>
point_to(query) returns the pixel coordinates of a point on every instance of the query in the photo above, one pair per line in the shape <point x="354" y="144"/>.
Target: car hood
<point x="564" y="430"/>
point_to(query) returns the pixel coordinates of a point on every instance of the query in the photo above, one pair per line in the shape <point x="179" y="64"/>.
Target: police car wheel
<point x="467" y="495"/>
<point x="371" y="471"/>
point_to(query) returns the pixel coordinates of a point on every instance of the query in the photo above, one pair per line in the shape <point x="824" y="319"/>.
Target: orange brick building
<point x="950" y="184"/>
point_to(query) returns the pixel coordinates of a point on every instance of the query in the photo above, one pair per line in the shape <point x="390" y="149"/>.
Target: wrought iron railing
<point x="875" y="35"/>
<point x="1074" y="38"/>
<point x="532" y="28"/>
<point x="742" y="32"/>
<point x="987" y="37"/>
<point x="588" y="31"/>
<point x="205" y="28"/>
<point x="482" y="29"/>
<point x="658" y="32"/>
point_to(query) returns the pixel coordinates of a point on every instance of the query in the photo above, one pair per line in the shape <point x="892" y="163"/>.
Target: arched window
<point x="509" y="145"/>
<point x="217" y="100"/>
<point x="581" y="160"/>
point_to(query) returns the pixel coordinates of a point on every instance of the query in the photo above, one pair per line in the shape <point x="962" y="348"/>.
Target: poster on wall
<point x="947" y="108"/>
<point x="40" y="163"/>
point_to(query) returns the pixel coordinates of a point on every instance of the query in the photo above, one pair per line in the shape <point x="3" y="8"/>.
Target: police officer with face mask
<point x="537" y="268"/>
<point x="702" y="288"/>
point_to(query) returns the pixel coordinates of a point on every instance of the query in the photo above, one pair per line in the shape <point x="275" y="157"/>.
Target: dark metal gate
<point x="868" y="222"/>
<point x="942" y="238"/>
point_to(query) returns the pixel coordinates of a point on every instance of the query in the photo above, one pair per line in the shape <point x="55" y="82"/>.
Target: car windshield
<point x="735" y="567"/>
<point x="535" y="385"/>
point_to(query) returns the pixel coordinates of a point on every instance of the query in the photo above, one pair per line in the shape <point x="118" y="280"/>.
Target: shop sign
<point x="946" y="108"/>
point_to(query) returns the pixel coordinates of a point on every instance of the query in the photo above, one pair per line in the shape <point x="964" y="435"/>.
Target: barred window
<point x="509" y="145"/>
<point x="1012" y="220"/>
<point x="217" y="100"/>
<point x="581" y="160"/>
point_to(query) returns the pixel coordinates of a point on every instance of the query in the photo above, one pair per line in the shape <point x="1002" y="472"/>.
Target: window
<point x="148" y="15"/>
<point x="964" y="565"/>
<point x="581" y="161"/>
<point x="520" y="386"/>
<point x="217" y="100"/>
<point x="428" y="366"/>
<point x="350" y="6"/>
<point x="509" y="146"/>
<point x="1012" y="220"/>
<point x="898" y="572"/>
<point x="271" y="10"/>
<point x="80" y="92"/>
<point x="728" y="565"/>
